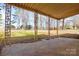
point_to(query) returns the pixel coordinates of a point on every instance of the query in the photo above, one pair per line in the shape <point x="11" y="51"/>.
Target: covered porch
<point x="51" y="40"/>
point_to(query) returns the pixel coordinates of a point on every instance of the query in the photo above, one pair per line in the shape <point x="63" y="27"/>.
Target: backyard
<point x="37" y="34"/>
<point x="21" y="36"/>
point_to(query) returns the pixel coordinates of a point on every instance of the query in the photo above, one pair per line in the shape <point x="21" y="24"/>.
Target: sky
<point x="68" y="20"/>
<point x="13" y="10"/>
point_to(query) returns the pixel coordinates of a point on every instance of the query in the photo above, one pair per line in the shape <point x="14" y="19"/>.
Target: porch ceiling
<point x="55" y="10"/>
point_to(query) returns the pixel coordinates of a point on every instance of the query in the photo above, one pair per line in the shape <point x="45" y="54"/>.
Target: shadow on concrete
<point x="24" y="39"/>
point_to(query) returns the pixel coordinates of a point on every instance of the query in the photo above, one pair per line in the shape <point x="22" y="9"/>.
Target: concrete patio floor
<point x="57" y="46"/>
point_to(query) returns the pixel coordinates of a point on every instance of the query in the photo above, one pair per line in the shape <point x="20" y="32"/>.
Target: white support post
<point x="57" y="28"/>
<point x="63" y="24"/>
<point x="7" y="22"/>
<point x="48" y="27"/>
<point x="35" y="25"/>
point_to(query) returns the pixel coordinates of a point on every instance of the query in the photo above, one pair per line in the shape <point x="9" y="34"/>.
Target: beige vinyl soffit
<point x="54" y="10"/>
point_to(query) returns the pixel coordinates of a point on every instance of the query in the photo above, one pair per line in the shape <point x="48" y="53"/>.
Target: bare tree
<point x="24" y="15"/>
<point x="41" y="22"/>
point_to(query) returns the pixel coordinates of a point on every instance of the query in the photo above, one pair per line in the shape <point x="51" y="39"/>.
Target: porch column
<point x="63" y="24"/>
<point x="35" y="25"/>
<point x="57" y="28"/>
<point x="48" y="27"/>
<point x="7" y="23"/>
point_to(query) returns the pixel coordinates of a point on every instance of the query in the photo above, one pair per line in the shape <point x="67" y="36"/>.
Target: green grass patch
<point x="21" y="33"/>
